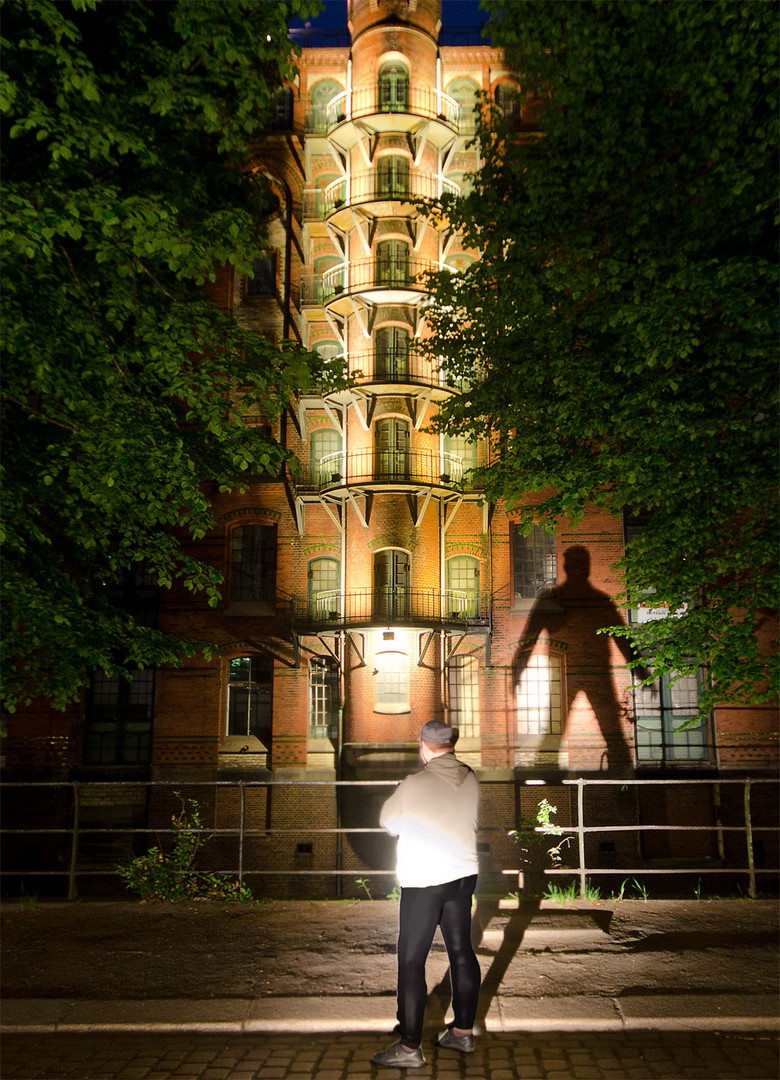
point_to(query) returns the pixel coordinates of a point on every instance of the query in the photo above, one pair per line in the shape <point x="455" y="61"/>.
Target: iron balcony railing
<point x="429" y="468"/>
<point x="365" y="101"/>
<point x="363" y="274"/>
<point x="373" y="186"/>
<point x="391" y="605"/>
<point x="387" y="365"/>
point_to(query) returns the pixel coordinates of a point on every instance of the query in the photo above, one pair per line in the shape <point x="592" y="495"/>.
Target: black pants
<point x="422" y="910"/>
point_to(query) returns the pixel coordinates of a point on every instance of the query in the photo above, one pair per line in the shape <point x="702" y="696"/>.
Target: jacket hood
<point x="447" y="768"/>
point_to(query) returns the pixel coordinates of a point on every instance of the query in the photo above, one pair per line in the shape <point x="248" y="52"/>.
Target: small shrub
<point x="160" y="875"/>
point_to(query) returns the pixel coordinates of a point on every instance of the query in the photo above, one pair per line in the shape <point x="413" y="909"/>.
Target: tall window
<point x="393" y="177"/>
<point x="392" y="263"/>
<point x="263" y="279"/>
<point x="253" y="563"/>
<point x="391" y="449"/>
<point x="463" y="695"/>
<point x="461" y="457"/>
<point x="509" y="102"/>
<point x="321" y="94"/>
<point x="393" y="87"/>
<point x="325" y="456"/>
<point x="539" y="695"/>
<point x="465" y="93"/>
<point x="392" y="352"/>
<point x="118" y="729"/>
<point x="392" y="682"/>
<point x="250" y="696"/>
<point x="534" y="562"/>
<point x="391" y="585"/>
<point x="324" y="588"/>
<point x="463" y="586"/>
<point x="659" y="709"/>
<point x="323" y="697"/>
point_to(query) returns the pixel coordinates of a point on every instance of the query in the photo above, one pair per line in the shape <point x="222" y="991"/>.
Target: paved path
<point x="650" y="1055"/>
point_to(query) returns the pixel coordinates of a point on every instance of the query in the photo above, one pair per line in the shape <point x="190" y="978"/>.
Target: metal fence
<point x="73" y="833"/>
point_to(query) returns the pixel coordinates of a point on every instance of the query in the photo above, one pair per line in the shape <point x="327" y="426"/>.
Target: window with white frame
<point x="463" y="695"/>
<point x="534" y="563"/>
<point x="323" y="697"/>
<point x="325" y="456"/>
<point x="392" y="682"/>
<point x="660" y="709"/>
<point x="539" y="694"/>
<point x="324" y="587"/>
<point x="250" y="696"/>
<point x="463" y="587"/>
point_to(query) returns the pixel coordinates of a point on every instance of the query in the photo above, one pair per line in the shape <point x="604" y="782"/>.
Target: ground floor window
<point x="250" y="696"/>
<point x="118" y="728"/>
<point x="463" y="695"/>
<point x="659" y="710"/>
<point x="323" y="697"/>
<point x="539" y="695"/>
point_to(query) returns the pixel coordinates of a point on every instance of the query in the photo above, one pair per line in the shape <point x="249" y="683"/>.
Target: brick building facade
<point x="371" y="588"/>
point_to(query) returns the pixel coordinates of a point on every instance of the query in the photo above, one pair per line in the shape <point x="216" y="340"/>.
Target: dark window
<point x="392" y="352"/>
<point x="263" y="280"/>
<point x="535" y="563"/>
<point x="509" y="102"/>
<point x="118" y="729"/>
<point x="250" y="696"/>
<point x="253" y="563"/>
<point x="659" y="711"/>
<point x="283" y="110"/>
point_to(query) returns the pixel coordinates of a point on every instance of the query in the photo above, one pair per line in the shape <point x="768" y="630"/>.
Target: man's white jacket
<point x="434" y="815"/>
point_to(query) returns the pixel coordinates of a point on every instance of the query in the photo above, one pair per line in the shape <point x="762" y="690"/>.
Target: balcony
<point x="391" y="606"/>
<point x="407" y="109"/>
<point x="378" y="280"/>
<point x="391" y="469"/>
<point x="400" y="368"/>
<point x="372" y="186"/>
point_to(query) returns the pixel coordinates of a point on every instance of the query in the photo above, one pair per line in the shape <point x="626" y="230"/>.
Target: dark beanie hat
<point x="437" y="732"/>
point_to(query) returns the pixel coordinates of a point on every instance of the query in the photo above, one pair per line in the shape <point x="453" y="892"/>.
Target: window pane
<point x="263" y="280"/>
<point x="118" y="727"/>
<point x="539" y="696"/>
<point x="253" y="574"/>
<point x="323" y="697"/>
<point x="324" y="587"/>
<point x="659" y="710"/>
<point x="250" y="696"/>
<point x="535" y="563"/>
<point x="463" y="694"/>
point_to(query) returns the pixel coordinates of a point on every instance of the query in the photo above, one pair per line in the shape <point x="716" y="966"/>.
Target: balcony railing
<point x="399" y="366"/>
<point x="364" y="101"/>
<point x="370" y="466"/>
<point x="374" y="186"/>
<point x="391" y="605"/>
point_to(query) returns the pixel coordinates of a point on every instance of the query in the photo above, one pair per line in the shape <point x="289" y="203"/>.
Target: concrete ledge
<point x="670" y="1012"/>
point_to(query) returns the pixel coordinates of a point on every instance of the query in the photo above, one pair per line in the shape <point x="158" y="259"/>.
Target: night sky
<point x="458" y="18"/>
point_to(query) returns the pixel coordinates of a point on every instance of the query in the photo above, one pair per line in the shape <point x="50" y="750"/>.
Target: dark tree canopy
<point x="128" y="129"/>
<point x="620" y="326"/>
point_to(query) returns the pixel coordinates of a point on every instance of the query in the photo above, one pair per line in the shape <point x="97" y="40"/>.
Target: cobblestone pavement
<point x="652" y="1055"/>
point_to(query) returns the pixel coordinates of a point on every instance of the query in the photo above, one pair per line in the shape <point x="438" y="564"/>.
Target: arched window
<point x="392" y="263"/>
<point x="392" y="353"/>
<point x="324" y="588"/>
<point x="463" y="586"/>
<point x="460" y="457"/>
<point x="393" y="87"/>
<point x="325" y="456"/>
<point x="321" y="94"/>
<point x="539" y="694"/>
<point x="465" y="93"/>
<point x="393" y="177"/>
<point x="391" y="449"/>
<point x="392" y="573"/>
<point x="510" y="103"/>
<point x="463" y="695"/>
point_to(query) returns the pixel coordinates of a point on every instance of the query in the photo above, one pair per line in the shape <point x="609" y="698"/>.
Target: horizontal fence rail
<point x="77" y="828"/>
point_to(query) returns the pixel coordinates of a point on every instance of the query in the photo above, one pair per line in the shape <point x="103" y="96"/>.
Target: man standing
<point x="434" y="815"/>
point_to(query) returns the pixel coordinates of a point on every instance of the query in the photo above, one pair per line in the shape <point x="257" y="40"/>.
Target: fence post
<point x="749" y="839"/>
<point x="242" y="801"/>
<point x="581" y="833"/>
<point x="74" y="843"/>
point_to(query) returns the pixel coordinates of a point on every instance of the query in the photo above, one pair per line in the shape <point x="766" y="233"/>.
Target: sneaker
<point x="398" y="1058"/>
<point x="450" y="1041"/>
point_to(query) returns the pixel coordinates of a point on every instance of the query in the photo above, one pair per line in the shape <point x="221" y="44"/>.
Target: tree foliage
<point x="619" y="329"/>
<point x="128" y="135"/>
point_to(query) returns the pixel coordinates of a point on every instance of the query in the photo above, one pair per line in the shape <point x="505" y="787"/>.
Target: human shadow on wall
<point x="576" y="616"/>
